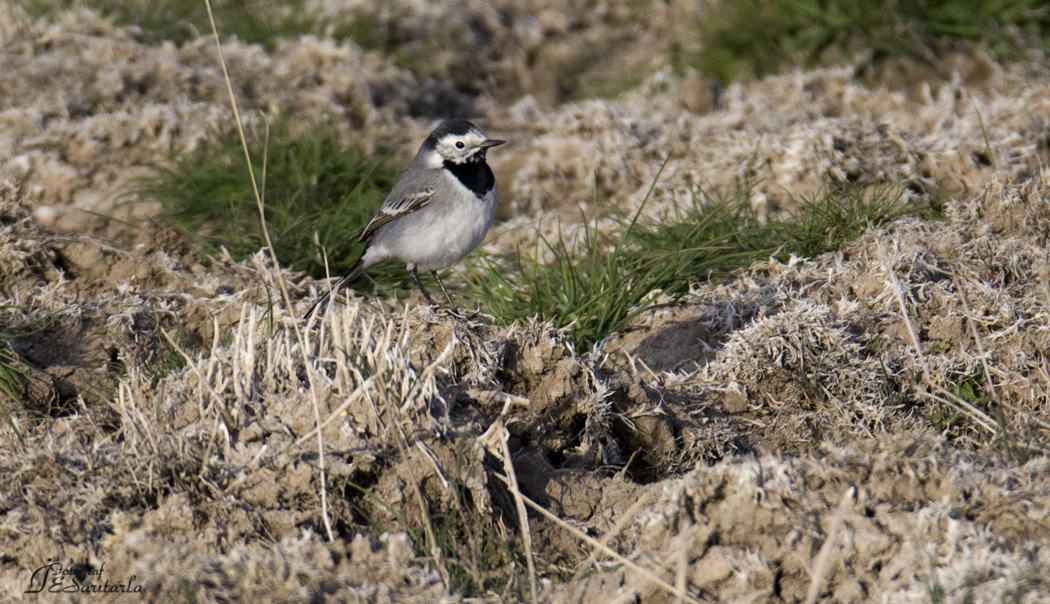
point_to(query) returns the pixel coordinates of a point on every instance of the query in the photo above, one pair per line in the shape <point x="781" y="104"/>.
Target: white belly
<point x="436" y="236"/>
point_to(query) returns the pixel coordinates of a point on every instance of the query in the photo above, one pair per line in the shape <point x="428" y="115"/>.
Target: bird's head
<point x="457" y="142"/>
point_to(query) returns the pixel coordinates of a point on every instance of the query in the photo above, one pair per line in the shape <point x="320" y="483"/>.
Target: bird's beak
<point x="491" y="143"/>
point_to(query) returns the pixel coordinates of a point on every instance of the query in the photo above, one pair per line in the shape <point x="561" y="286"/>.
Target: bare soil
<point x="868" y="425"/>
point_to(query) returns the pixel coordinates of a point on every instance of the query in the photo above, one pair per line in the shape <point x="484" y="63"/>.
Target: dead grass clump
<point x="507" y="50"/>
<point x="83" y="311"/>
<point x="900" y="517"/>
<point x="87" y="107"/>
<point x="224" y="446"/>
<point x="293" y="569"/>
<point x="928" y="324"/>
<point x="23" y="253"/>
<point x="893" y="393"/>
<point x="781" y="139"/>
<point x="806" y="376"/>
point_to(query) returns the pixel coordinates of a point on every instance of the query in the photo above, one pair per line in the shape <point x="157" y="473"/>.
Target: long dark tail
<point x="322" y="302"/>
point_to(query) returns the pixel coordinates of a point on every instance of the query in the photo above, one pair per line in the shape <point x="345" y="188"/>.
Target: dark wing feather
<point x="392" y="209"/>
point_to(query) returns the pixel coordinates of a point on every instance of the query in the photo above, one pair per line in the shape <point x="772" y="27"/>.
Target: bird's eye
<point x="460" y="145"/>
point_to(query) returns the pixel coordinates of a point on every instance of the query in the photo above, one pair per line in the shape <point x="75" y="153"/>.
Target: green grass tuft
<point x="826" y="222"/>
<point x="757" y="37"/>
<point x="318" y="197"/>
<point x="611" y="279"/>
<point x="10" y="386"/>
<point x="13" y="368"/>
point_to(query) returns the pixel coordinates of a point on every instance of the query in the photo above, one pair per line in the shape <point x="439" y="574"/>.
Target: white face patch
<point x="460" y="148"/>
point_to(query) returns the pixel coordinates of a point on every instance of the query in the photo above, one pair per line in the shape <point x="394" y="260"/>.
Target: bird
<point x="438" y="211"/>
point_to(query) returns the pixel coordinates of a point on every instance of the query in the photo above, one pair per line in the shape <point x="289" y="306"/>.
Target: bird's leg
<point x="443" y="290"/>
<point x="455" y="309"/>
<point x="419" y="284"/>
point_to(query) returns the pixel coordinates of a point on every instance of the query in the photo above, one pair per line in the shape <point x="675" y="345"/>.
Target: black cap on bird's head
<point x="455" y="126"/>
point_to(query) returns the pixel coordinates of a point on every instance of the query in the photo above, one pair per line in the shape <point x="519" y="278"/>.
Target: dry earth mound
<point x="868" y="425"/>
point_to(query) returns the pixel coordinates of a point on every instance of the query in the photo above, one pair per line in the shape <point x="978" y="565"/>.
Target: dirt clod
<point x="866" y="425"/>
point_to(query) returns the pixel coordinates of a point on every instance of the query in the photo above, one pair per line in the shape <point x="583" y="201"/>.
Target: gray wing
<point x="395" y="207"/>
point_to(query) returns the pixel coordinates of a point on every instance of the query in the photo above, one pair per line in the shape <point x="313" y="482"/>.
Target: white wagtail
<point x="438" y="211"/>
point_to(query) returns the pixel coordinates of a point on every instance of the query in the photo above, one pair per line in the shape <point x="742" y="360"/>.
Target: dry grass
<point x="406" y="397"/>
<point x="866" y="425"/>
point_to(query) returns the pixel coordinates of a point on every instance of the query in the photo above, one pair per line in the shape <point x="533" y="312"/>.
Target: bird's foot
<point x="456" y="311"/>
